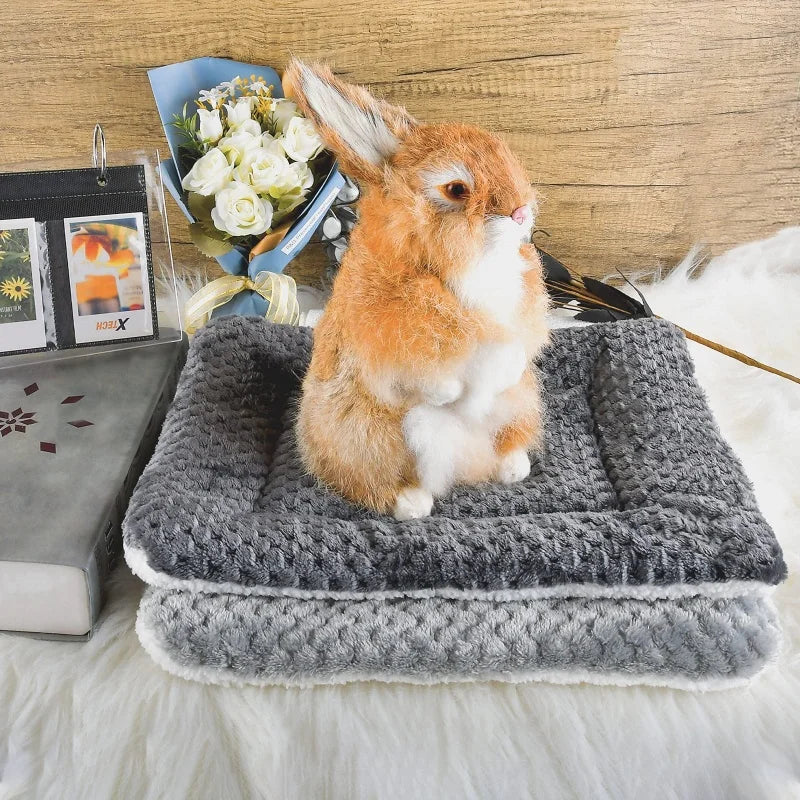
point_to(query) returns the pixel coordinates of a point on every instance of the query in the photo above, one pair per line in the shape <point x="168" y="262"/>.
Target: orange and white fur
<point x="421" y="374"/>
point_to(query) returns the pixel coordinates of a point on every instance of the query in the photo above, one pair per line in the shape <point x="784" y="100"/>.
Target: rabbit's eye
<point x="456" y="190"/>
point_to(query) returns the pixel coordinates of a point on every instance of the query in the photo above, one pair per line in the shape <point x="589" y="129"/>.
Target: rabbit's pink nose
<point x="521" y="215"/>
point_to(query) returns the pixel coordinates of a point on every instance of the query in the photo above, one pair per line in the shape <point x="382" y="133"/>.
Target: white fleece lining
<point x="225" y="677"/>
<point x="137" y="561"/>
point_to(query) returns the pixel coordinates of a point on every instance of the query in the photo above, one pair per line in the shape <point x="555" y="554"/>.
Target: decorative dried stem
<point x="580" y="293"/>
<point x="729" y="351"/>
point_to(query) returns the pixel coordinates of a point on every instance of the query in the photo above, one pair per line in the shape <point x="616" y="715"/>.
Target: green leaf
<point x="206" y="244"/>
<point x="212" y="230"/>
<point x="201" y="205"/>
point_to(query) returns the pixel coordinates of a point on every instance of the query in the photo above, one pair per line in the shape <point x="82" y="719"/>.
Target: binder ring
<point x="99" y="154"/>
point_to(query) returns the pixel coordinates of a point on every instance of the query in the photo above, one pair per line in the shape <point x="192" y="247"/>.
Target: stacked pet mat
<point x="633" y="553"/>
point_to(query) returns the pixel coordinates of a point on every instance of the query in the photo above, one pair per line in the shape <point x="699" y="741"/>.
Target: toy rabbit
<point x="421" y="375"/>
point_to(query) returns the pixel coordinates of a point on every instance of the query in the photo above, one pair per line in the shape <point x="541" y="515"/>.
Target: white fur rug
<point x="100" y="720"/>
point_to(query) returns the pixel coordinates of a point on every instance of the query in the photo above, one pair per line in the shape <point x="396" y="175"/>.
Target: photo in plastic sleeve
<point x="21" y="312"/>
<point x="110" y="280"/>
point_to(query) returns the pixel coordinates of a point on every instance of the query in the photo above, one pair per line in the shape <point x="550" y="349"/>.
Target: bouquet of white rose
<point x="250" y="174"/>
<point x="250" y="162"/>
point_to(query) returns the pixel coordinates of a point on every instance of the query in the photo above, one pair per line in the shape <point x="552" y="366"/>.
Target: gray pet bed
<point x="634" y="552"/>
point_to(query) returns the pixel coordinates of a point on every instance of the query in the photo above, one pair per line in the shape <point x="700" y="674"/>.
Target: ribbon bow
<point x="277" y="289"/>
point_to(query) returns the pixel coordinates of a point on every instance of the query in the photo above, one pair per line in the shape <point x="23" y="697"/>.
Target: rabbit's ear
<point x="361" y="130"/>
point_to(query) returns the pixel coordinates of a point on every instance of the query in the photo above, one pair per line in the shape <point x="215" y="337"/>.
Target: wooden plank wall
<point x="649" y="126"/>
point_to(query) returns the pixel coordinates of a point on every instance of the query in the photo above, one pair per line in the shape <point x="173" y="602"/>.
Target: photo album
<point x="76" y="266"/>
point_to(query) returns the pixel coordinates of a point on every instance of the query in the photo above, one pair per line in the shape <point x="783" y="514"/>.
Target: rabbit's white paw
<point x="444" y="392"/>
<point x="513" y="467"/>
<point x="509" y="365"/>
<point x="477" y="404"/>
<point x="413" y="502"/>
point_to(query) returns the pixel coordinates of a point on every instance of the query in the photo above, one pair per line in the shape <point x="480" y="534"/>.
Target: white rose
<point x="209" y="173"/>
<point x="303" y="175"/>
<point x="239" y="146"/>
<point x="239" y="113"/>
<point x="271" y="145"/>
<point x="283" y="111"/>
<point x="249" y="126"/>
<point x="269" y="141"/>
<point x="300" y="140"/>
<point x="293" y="191"/>
<point x="266" y="169"/>
<point x="284" y="183"/>
<point x="240" y="211"/>
<point x="289" y="201"/>
<point x="210" y="125"/>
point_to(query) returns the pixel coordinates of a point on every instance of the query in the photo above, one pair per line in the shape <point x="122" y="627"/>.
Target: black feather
<point x="555" y="273"/>
<point x="614" y="297"/>
<point x="589" y="297"/>
<point x="554" y="270"/>
<point x="645" y="306"/>
<point x="600" y="315"/>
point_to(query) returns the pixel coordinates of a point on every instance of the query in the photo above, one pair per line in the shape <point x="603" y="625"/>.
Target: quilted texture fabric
<point x="634" y="487"/>
<point x="709" y="643"/>
<point x="633" y="553"/>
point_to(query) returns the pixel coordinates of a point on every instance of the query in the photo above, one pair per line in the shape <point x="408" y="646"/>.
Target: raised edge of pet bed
<point x="635" y="486"/>
<point x="633" y="553"/>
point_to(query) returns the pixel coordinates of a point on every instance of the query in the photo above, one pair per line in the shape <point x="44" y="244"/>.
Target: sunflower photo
<point x="22" y="325"/>
<point x="17" y="301"/>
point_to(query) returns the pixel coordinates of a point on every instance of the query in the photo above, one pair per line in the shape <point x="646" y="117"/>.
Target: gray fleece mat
<point x="686" y="643"/>
<point x="633" y="549"/>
